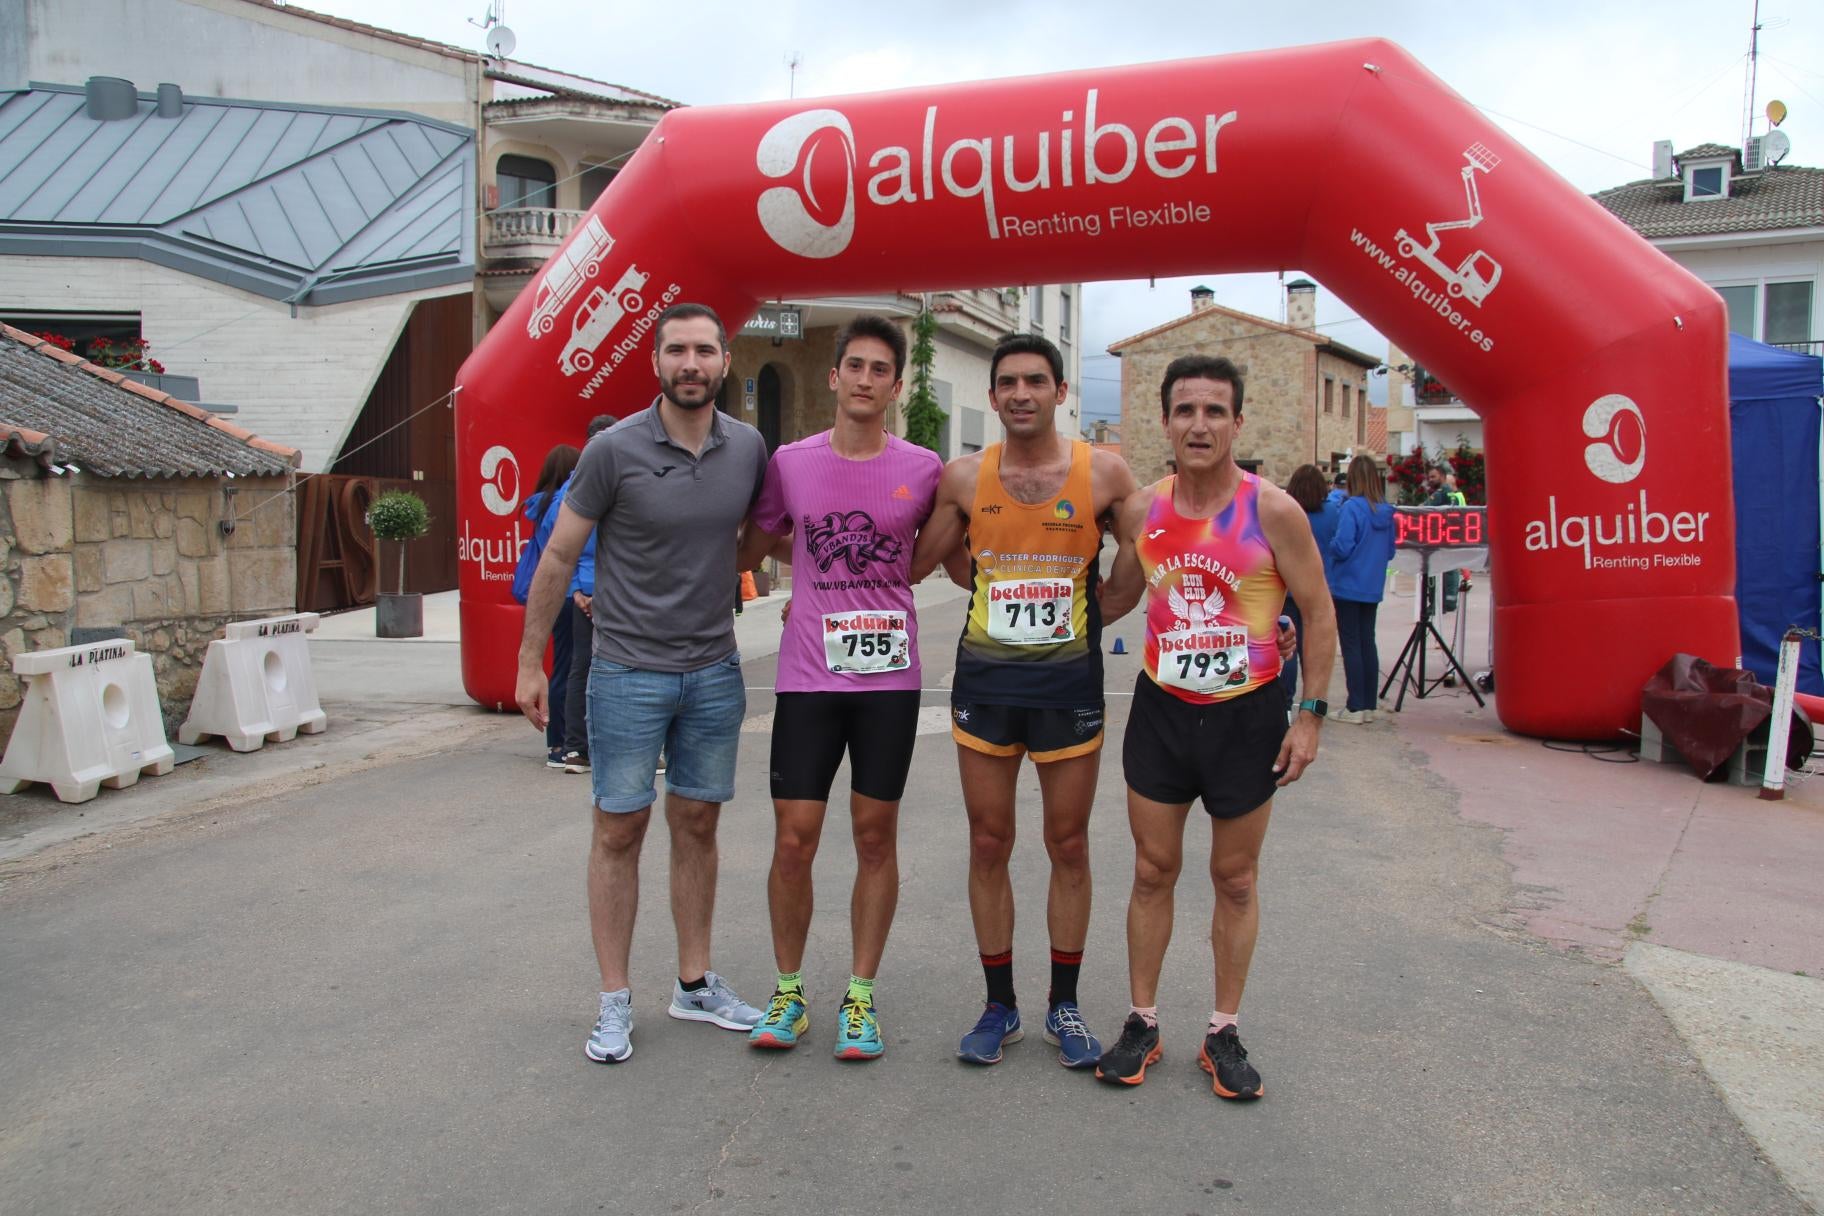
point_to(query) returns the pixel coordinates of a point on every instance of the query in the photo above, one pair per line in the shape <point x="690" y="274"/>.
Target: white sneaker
<point x="714" y="1002"/>
<point x="612" y="1039"/>
<point x="1354" y="717"/>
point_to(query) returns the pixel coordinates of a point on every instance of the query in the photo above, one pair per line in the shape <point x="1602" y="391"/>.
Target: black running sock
<point x="693" y="985"/>
<point x="998" y="970"/>
<point x="1065" y="967"/>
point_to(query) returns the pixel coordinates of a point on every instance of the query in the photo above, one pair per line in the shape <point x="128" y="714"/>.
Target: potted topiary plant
<point x="401" y="516"/>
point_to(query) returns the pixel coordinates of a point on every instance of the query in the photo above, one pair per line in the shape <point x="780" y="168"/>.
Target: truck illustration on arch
<point x="596" y="318"/>
<point x="1478" y="273"/>
<point x="574" y="265"/>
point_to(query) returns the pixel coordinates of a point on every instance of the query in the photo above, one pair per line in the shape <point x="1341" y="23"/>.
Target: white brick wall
<point x="298" y="380"/>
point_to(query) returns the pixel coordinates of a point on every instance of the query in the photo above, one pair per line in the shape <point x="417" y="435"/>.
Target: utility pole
<point x="1754" y="52"/>
<point x="794" y="59"/>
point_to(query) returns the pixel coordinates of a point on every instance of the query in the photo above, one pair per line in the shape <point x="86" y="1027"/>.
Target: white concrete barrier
<point x="90" y="719"/>
<point x="257" y="685"/>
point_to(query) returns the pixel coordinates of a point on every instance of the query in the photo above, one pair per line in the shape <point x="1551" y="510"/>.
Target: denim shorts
<point x="695" y="716"/>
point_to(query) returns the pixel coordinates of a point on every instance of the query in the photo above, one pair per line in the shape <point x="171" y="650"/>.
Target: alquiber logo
<point x="1635" y="537"/>
<point x="1040" y="172"/>
<point x="499" y="480"/>
<point x="791" y="150"/>
<point x="1605" y="422"/>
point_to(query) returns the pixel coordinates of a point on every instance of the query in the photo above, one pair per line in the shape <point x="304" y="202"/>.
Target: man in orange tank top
<point x="1213" y="549"/>
<point x="1029" y="672"/>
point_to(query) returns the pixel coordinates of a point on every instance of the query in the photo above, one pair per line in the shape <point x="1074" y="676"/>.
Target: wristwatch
<point x="1319" y="708"/>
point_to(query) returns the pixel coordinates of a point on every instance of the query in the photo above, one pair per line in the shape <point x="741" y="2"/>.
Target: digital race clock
<point x="1425" y="528"/>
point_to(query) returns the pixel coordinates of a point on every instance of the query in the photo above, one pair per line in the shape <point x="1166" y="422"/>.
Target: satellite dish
<point x="501" y="42"/>
<point x="1774" y="146"/>
<point x="1776" y="112"/>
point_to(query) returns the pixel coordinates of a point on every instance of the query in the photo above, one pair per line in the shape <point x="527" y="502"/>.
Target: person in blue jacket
<point x="1359" y="553"/>
<point x="541" y="510"/>
<point x="574" y="756"/>
<point x="1322" y="506"/>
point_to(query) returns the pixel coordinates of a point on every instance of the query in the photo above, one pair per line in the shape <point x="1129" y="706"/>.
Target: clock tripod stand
<point x="1409" y="668"/>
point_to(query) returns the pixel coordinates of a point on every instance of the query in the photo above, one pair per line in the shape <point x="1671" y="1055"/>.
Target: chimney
<point x="1301" y="304"/>
<point x="107" y="98"/>
<point x="1099" y="432"/>
<point x="1202" y="297"/>
<point x="170" y="101"/>
<point x="1662" y="159"/>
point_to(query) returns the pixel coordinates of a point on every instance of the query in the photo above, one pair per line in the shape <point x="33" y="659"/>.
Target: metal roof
<point x="1773" y="199"/>
<point x="107" y="425"/>
<point x="298" y="203"/>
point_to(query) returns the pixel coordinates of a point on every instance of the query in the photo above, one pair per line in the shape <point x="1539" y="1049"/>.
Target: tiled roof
<point x="554" y="84"/>
<point x="292" y="202"/>
<point x="110" y="426"/>
<point x="1772" y="199"/>
<point x="1709" y="152"/>
<point x="32" y="445"/>
<point x="1311" y="336"/>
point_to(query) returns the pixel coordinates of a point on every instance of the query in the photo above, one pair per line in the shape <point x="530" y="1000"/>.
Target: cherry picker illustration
<point x="1478" y="273"/>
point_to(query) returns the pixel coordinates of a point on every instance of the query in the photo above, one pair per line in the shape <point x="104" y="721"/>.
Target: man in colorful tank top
<point x="1213" y="549"/>
<point x="1028" y="673"/>
<point x="851" y="501"/>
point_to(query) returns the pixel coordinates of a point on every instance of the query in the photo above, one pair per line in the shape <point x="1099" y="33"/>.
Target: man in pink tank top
<point x="1213" y="550"/>
<point x="851" y="500"/>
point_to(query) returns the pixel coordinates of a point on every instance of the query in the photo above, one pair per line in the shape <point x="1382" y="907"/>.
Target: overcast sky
<point x="1587" y="85"/>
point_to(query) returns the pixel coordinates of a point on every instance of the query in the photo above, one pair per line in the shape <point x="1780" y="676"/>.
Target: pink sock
<point x="1149" y="1015"/>
<point x="1218" y="1020"/>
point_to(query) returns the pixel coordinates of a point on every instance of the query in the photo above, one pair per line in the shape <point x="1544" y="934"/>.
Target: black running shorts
<point x="812" y="731"/>
<point x="1176" y="752"/>
<point x="1047" y="733"/>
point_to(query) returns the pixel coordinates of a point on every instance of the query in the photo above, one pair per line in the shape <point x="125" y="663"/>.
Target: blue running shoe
<point x="998" y="1027"/>
<point x="857" y="1031"/>
<point x="1064" y="1029"/>
<point x="787" y="1016"/>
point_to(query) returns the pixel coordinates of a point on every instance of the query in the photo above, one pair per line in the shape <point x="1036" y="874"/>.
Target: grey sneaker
<point x="715" y="1002"/>
<point x="612" y="1039"/>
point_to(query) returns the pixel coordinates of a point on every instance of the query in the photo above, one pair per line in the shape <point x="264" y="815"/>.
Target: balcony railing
<point x="1804" y="348"/>
<point x="519" y="231"/>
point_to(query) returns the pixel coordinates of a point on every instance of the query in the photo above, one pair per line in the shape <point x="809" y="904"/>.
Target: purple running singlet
<point x="853" y="524"/>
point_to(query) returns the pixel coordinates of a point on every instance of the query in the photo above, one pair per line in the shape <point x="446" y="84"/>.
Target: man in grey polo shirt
<point x="666" y="490"/>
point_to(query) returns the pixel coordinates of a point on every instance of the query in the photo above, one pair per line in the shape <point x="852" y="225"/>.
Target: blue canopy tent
<point x="1774" y="431"/>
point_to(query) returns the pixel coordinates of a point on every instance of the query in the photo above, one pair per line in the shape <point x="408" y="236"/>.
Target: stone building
<point x="1307" y="394"/>
<point x="127" y="511"/>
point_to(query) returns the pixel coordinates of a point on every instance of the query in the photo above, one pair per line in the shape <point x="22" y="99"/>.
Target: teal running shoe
<point x="857" y="1031"/>
<point x="787" y="1016"/>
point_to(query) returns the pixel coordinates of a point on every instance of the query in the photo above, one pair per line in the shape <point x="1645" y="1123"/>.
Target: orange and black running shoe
<point x="1226" y="1060"/>
<point x="1125" y="1063"/>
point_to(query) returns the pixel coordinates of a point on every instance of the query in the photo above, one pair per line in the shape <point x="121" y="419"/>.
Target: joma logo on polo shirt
<point x="661" y="472"/>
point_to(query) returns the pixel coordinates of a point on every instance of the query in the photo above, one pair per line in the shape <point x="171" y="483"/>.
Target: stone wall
<point x="147" y="557"/>
<point x="1283" y="419"/>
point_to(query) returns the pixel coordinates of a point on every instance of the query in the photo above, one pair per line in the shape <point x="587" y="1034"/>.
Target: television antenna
<point x="500" y="40"/>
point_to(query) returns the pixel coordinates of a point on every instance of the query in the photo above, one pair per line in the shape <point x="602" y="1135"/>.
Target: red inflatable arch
<point x="1597" y="364"/>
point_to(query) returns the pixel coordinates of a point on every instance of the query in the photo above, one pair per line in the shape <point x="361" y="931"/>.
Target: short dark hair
<point x="1026" y="344"/>
<point x="600" y="423"/>
<point x="1198" y="367"/>
<point x="683" y="312"/>
<point x="1307" y="488"/>
<point x="870" y="326"/>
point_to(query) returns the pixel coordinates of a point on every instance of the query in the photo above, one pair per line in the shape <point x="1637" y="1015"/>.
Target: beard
<point x="710" y="389"/>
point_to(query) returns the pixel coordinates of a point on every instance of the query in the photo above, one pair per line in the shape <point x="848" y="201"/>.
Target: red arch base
<point x="1597" y="364"/>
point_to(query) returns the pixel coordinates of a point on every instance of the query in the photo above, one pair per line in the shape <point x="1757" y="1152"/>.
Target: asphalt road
<point x="371" y="995"/>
